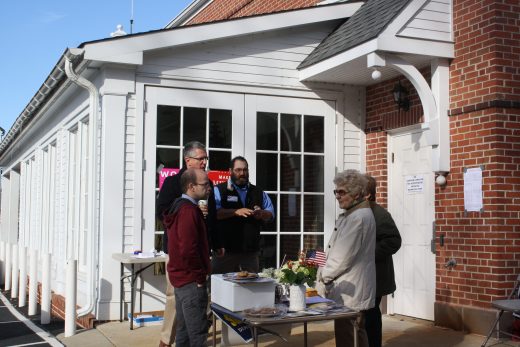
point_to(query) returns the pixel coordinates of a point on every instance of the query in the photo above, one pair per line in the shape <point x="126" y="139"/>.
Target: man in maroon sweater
<point x="188" y="265"/>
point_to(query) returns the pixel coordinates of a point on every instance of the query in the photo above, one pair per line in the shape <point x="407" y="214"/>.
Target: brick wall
<point x="227" y="9"/>
<point x="484" y="130"/>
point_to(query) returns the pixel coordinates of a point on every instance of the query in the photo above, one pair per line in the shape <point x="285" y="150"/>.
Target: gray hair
<point x="190" y="147"/>
<point x="353" y="181"/>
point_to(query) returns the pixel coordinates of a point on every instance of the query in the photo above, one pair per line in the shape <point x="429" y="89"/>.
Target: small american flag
<point x="317" y="257"/>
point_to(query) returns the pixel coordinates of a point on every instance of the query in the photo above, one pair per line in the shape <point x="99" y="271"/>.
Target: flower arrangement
<point x="298" y="272"/>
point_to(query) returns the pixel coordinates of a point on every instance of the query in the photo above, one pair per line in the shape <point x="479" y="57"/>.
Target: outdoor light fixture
<point x="401" y="96"/>
<point x="440" y="178"/>
<point x="376" y="75"/>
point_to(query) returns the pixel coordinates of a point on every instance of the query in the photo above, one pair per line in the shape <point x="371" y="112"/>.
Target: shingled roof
<point x="368" y="22"/>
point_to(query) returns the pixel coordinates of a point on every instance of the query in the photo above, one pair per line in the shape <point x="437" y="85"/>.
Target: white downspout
<point x="92" y="251"/>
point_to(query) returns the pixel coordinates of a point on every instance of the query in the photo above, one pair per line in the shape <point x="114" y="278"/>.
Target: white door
<point x="411" y="203"/>
<point x="290" y="145"/>
<point x="288" y="142"/>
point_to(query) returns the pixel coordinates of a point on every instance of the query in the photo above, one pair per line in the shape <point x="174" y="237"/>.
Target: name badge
<point x="232" y="198"/>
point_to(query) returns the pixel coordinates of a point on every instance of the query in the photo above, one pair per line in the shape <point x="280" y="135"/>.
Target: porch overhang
<point x="130" y="49"/>
<point x="396" y="50"/>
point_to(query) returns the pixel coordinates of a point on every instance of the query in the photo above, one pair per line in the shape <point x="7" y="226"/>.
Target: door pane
<point x="267" y="131"/>
<point x="267" y="171"/>
<point x="313" y="173"/>
<point x="271" y="226"/>
<point x="290" y="132"/>
<point x="219" y="160"/>
<point x="194" y="125"/>
<point x="313" y="242"/>
<point x="313" y="213"/>
<point x="220" y="128"/>
<point x="289" y="247"/>
<point x="267" y="251"/>
<point x="169" y="158"/>
<point x="168" y="125"/>
<point x="313" y="128"/>
<point x="290" y="212"/>
<point x="290" y="172"/>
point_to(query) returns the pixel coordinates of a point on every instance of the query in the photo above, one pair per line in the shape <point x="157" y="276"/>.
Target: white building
<point x="79" y="179"/>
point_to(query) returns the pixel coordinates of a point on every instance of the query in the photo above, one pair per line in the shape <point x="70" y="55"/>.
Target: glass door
<point x="288" y="142"/>
<point x="177" y="116"/>
<point x="291" y="154"/>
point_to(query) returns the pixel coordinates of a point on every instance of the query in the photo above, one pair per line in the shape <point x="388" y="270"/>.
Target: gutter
<point x="94" y="124"/>
<point x="53" y="82"/>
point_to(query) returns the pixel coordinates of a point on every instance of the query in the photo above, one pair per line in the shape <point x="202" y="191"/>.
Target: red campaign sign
<point x="215" y="176"/>
<point x="218" y="177"/>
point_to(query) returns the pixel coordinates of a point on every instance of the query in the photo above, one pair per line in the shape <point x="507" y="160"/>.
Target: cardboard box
<point x="142" y="319"/>
<point x="239" y="296"/>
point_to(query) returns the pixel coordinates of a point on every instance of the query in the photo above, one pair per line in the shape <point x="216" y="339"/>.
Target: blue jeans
<point x="192" y="322"/>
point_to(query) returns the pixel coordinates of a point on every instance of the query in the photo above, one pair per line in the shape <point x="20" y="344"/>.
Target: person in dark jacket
<point x="242" y="209"/>
<point x="388" y="242"/>
<point x="195" y="157"/>
<point x="188" y="263"/>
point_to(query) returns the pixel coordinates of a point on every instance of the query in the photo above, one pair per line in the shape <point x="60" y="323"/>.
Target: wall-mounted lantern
<point x="400" y="94"/>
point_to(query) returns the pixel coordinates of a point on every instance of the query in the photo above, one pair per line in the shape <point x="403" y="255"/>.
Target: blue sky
<point x="34" y="34"/>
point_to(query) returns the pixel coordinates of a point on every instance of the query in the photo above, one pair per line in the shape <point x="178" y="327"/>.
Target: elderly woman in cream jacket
<point x="349" y="275"/>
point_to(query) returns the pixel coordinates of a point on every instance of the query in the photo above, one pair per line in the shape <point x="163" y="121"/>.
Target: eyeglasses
<point x="241" y="170"/>
<point x="200" y="159"/>
<point x="340" y="192"/>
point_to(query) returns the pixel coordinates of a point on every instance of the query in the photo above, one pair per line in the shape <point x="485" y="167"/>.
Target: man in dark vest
<point x="242" y="208"/>
<point x="388" y="242"/>
<point x="195" y="157"/>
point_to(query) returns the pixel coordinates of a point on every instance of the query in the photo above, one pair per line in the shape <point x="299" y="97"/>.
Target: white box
<point x="239" y="296"/>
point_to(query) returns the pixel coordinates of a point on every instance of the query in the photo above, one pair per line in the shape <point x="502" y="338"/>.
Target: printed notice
<point x="414" y="184"/>
<point x="473" y="189"/>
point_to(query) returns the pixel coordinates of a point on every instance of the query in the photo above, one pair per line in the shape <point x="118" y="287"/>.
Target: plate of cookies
<point x="241" y="276"/>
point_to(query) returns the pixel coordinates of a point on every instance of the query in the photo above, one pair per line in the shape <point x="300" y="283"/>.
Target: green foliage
<point x="297" y="273"/>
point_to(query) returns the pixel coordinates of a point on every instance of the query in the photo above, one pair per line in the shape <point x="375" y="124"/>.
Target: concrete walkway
<point x="397" y="332"/>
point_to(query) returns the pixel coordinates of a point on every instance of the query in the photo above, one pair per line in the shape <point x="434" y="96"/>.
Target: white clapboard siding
<point x="351" y="147"/>
<point x="263" y="59"/>
<point x="60" y="240"/>
<point x="129" y="177"/>
<point x="432" y="21"/>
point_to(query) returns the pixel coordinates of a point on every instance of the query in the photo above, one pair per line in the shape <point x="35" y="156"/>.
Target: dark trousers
<point x="374" y="325"/>
<point x="192" y="324"/>
<point x="344" y="331"/>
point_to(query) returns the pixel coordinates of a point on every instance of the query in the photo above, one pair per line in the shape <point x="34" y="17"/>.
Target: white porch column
<point x="22" y="296"/>
<point x="70" y="298"/>
<point x="33" y="282"/>
<point x="2" y="261"/>
<point x="14" y="272"/>
<point x="45" y="315"/>
<point x="7" y="268"/>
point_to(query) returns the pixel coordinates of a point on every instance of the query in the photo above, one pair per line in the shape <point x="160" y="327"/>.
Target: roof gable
<point x="367" y="23"/>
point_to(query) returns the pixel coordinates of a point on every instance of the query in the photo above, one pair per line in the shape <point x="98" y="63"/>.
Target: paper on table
<point x="145" y="255"/>
<point x="316" y="300"/>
